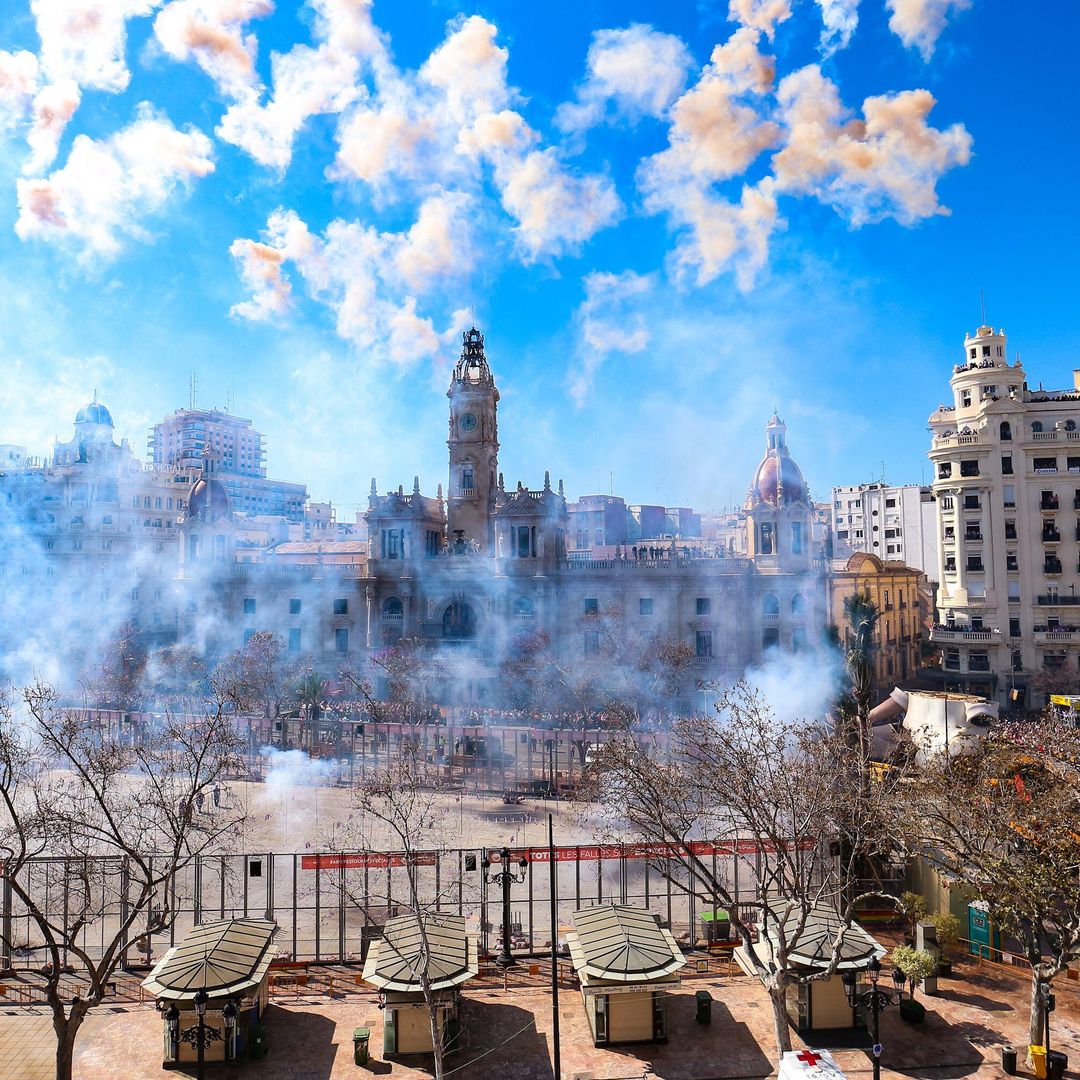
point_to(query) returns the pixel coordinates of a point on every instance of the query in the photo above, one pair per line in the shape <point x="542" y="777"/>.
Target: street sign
<point x="877" y="1049"/>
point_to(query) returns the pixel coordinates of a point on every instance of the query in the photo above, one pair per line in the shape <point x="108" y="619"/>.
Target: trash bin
<point x="1008" y="1060"/>
<point x="257" y="1045"/>
<point x="360" y="1039"/>
<point x="1056" y="1064"/>
<point x="703" y="1014"/>
<point x="1038" y="1059"/>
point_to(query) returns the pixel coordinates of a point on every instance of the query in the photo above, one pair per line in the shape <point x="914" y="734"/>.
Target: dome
<point x="208" y="499"/>
<point x="778" y="481"/>
<point x="94" y="413"/>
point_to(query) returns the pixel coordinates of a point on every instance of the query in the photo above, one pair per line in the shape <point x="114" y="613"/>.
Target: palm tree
<point x="311" y="691"/>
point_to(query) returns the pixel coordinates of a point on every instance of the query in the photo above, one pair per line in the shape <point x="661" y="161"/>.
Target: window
<point x="890" y="503"/>
<point x="249" y="605"/>
<point x="431" y="543"/>
<point x="1036" y="426"/>
<point x="1006" y="465"/>
<point x="1073" y="463"/>
<point x="1014" y="627"/>
<point x="1045" y="464"/>
<point x="1017" y="660"/>
<point x="392" y="608"/>
<point x="798" y="605"/>
<point x="1011" y="561"/>
<point x="944" y="470"/>
<point x="969" y="468"/>
<point x="468" y="480"/>
<point x="592" y="642"/>
<point x="946" y="502"/>
<point x="766" y="533"/>
<point x="248" y="635"/>
<point x="975" y="562"/>
<point x="341" y="606"/>
<point x="644" y="605"/>
<point x="952" y="659"/>
<point x="703" y="643"/>
<point x="1005" y="431"/>
<point x="524" y="607"/>
<point x="1014" y="590"/>
<point x="770" y="605"/>
<point x="702" y="605"/>
<point x="294" y="640"/>
<point x="341" y="640"/>
<point x="1070" y="425"/>
<point x="294" y="607"/>
<point x="522" y="541"/>
<point x="965" y="399"/>
<point x="770" y="638"/>
<point x="1008" y="494"/>
<point x="796" y="537"/>
<point x="393" y="543"/>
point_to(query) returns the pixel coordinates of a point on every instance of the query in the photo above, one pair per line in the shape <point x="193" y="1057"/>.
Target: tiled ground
<point x="311" y="1039"/>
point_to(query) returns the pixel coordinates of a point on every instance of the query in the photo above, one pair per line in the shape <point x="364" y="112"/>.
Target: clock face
<point x="468" y="422"/>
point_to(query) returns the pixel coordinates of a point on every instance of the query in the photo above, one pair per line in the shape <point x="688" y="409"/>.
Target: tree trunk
<point x="66" y="1029"/>
<point x="778" y="997"/>
<point x="1037" y="1022"/>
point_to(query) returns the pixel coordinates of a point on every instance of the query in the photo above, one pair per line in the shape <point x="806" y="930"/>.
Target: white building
<point x="1007" y="480"/>
<point x="893" y="523"/>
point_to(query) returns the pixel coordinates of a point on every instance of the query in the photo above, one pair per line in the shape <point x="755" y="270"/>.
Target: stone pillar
<point x="369" y="595"/>
<point x="926" y="940"/>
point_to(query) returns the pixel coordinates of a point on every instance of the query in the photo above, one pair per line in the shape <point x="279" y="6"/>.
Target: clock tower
<point x="474" y="445"/>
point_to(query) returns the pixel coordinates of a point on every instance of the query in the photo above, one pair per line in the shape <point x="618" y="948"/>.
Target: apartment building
<point x="895" y="523"/>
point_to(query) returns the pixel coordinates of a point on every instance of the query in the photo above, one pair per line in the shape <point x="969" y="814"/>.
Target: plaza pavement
<point x="509" y="1031"/>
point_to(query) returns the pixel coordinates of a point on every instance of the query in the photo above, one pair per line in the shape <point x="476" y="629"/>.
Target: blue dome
<point x="94" y="413"/>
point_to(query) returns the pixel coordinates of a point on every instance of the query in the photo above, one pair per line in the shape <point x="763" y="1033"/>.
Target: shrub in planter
<point x="948" y="937"/>
<point x="912" y="1011"/>
<point x="916" y="964"/>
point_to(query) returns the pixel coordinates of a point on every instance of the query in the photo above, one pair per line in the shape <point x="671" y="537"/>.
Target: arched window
<point x="146" y="502"/>
<point x="392" y="608"/>
<point x="157" y="503"/>
<point x="1036" y="425"/>
<point x="770" y="605"/>
<point x="1070" y="425"/>
<point x="458" y="621"/>
<point x="1005" y="431"/>
<point x="524" y="607"/>
<point x="798" y="605"/>
<point x="168" y="503"/>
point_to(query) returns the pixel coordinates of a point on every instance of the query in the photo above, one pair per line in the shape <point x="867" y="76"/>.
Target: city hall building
<point x="473" y="569"/>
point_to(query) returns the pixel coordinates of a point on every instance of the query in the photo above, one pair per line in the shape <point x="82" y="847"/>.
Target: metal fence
<point x="326" y="903"/>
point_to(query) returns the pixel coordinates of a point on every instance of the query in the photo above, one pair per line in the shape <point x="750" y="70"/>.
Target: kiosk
<point x="213" y="988"/>
<point x="821" y="1004"/>
<point x="627" y="965"/>
<point x="395" y="966"/>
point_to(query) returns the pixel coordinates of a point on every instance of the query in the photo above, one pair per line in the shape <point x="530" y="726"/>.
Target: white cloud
<point x="638" y="71"/>
<point x="556" y="211"/>
<point x="609" y="321"/>
<point x="763" y="15"/>
<point x="83" y="44"/>
<point x="370" y="280"/>
<point x="884" y="165"/>
<point x="919" y="23"/>
<point x="211" y="32"/>
<point x="106" y="188"/>
<point x="306" y="82"/>
<point x="18" y="85"/>
<point x="718" y="130"/>
<point x="840" y="19"/>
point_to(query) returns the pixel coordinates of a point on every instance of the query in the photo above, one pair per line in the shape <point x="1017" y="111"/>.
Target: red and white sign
<point x="362" y="860"/>
<point x="808" y="1065"/>
<point x="706" y="848"/>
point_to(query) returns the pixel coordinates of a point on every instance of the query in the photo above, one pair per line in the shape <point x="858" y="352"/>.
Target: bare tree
<point x="177" y="673"/>
<point x="404" y="799"/>
<point x="112" y="825"/>
<point x="1002" y="820"/>
<point x="796" y="794"/>
<point x="117" y="678"/>
<point x="260" y="677"/>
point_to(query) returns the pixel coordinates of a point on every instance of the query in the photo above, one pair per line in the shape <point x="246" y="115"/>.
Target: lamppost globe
<point x="200" y="1000"/>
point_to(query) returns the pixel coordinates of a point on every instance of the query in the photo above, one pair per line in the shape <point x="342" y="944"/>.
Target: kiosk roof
<point x="624" y="944"/>
<point x="394" y="963"/>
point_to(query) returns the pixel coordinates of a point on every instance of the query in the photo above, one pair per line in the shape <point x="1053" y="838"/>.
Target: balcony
<point x="1046" y="635"/>
<point x="1044" y="436"/>
<point x="1054" y="600"/>
<point x="962" y="634"/>
<point x="975" y="566"/>
<point x="973" y="535"/>
<point x="978" y="664"/>
<point x="1052" y="567"/>
<point x="1049" y="505"/>
<point x="468" y="493"/>
<point x="1045" y="470"/>
<point x="1052" y="536"/>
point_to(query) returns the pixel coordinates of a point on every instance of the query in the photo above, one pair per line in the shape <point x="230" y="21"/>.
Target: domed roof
<point x="94" y="413"/>
<point x="208" y="499"/>
<point x="778" y="481"/>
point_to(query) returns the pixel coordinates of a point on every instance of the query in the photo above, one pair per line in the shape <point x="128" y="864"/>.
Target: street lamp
<point x="506" y="877"/>
<point x="874" y="1000"/>
<point x="228" y="1014"/>
<point x="172" y="1021"/>
<point x="200" y="1000"/>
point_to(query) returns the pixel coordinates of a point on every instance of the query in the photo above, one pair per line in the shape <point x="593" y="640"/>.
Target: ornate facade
<point x="472" y="570"/>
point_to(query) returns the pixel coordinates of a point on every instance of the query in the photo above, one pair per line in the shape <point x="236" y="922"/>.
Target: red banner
<point x="592" y="852"/>
<point x="374" y="860"/>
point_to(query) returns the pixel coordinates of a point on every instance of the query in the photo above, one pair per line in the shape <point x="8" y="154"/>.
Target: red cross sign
<point x="808" y="1057"/>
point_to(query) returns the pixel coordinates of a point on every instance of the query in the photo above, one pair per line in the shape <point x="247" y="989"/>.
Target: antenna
<point x="982" y="307"/>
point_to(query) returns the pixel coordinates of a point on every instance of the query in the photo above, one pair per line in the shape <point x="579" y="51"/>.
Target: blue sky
<point x="305" y="206"/>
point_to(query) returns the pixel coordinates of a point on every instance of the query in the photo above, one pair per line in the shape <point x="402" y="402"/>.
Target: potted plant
<point x="917" y="966"/>
<point x="948" y="936"/>
<point x="912" y="909"/>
